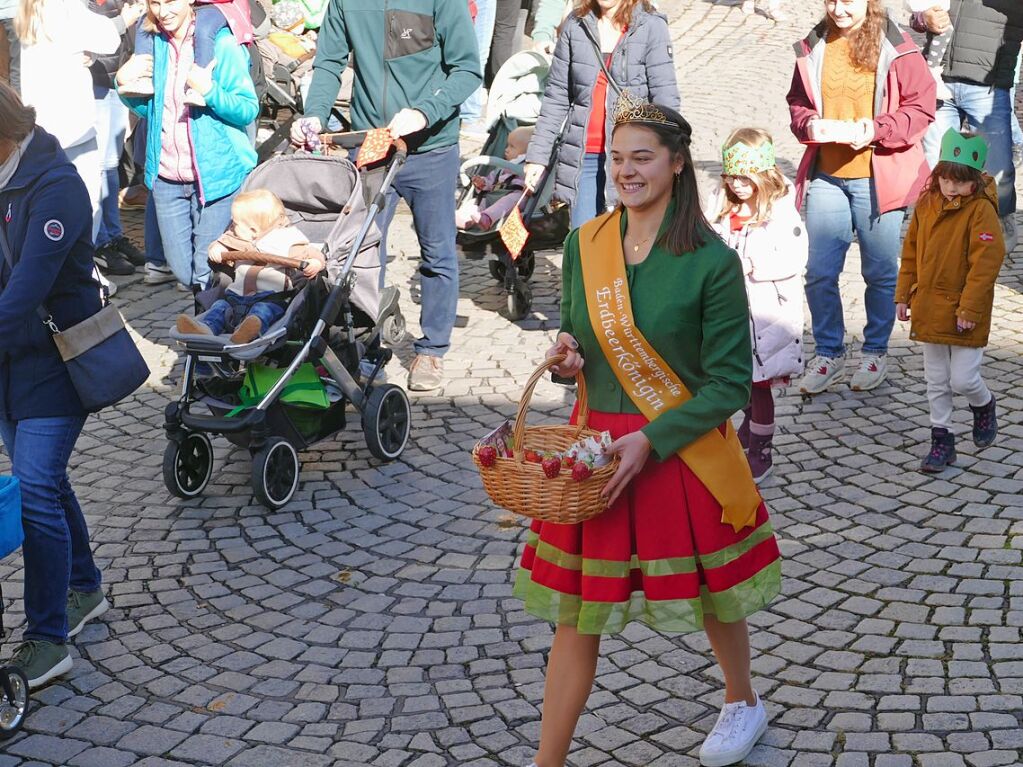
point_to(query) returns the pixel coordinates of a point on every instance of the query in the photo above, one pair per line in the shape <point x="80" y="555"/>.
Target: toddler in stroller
<point x="499" y="191"/>
<point x="254" y="299"/>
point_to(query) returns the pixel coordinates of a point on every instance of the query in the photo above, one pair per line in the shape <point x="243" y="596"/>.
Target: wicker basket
<point x="522" y="487"/>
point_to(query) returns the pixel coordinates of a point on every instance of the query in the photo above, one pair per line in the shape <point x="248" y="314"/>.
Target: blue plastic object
<point x="11" y="532"/>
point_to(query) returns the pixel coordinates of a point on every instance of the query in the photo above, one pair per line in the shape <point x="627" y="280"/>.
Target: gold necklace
<point x="641" y="243"/>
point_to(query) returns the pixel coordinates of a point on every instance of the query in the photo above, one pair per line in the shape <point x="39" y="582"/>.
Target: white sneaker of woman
<point x="736" y="732"/>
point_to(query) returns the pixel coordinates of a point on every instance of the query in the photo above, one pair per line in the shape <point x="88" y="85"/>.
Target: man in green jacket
<point x="417" y="61"/>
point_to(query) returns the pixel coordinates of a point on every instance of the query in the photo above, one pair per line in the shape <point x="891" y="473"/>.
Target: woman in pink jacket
<point x="861" y="100"/>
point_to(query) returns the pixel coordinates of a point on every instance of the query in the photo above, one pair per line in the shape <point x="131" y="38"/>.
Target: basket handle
<point x="519" y="430"/>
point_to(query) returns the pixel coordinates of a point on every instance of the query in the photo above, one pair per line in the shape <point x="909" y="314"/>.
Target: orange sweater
<point x="848" y="94"/>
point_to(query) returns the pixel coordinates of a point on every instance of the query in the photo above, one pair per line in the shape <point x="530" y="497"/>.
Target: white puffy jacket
<point x="774" y="256"/>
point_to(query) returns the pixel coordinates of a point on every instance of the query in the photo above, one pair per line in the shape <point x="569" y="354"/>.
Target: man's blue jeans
<point x="988" y="111"/>
<point x="836" y="208"/>
<point x="589" y="193"/>
<point x="486" y="13"/>
<point x="427" y="184"/>
<point x="56" y="550"/>
<point x="111" y="127"/>
<point x="228" y="312"/>
<point x="187" y="228"/>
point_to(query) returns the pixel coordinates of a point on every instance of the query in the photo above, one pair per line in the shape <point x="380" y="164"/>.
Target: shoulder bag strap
<point x="603" y="65"/>
<point x="41" y="310"/>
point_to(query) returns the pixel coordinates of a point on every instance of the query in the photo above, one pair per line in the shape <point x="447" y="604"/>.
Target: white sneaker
<point x="1010" y="232"/>
<point x="738" y="728"/>
<point x="821" y="373"/>
<point x="157" y="275"/>
<point x="873" y="370"/>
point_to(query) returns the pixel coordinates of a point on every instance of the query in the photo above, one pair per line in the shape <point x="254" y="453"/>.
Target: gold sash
<point x="718" y="461"/>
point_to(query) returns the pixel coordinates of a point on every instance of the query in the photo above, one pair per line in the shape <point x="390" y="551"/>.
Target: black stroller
<point x="14" y="696"/>
<point x="334" y="324"/>
<point x="514" y="101"/>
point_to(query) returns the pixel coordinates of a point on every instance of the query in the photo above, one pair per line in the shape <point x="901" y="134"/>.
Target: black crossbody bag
<point x="99" y="353"/>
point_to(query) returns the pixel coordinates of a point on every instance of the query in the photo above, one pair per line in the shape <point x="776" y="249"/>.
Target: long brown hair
<point x="865" y="42"/>
<point x="768" y="186"/>
<point x="622" y="16"/>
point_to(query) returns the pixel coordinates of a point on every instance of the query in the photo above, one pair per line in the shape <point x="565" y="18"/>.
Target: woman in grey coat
<point x="636" y="47"/>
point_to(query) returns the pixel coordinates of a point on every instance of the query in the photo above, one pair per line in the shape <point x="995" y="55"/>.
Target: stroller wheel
<point x="13" y="701"/>
<point x="188" y="465"/>
<point x="275" y="473"/>
<point x="526" y="264"/>
<point x="497" y="270"/>
<point x="520" y="300"/>
<point x="386" y="421"/>
<point x="392" y="331"/>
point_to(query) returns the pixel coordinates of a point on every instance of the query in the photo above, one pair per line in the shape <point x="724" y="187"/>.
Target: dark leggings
<point x="503" y="44"/>
<point x="761" y="403"/>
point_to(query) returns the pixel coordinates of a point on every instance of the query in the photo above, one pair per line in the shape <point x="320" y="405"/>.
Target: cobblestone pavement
<point x="370" y="622"/>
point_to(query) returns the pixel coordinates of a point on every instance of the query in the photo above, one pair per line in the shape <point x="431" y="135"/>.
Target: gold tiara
<point x="629" y="110"/>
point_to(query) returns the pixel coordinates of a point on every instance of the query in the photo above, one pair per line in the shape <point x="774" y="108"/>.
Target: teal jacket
<point x="224" y="155"/>
<point x="418" y="54"/>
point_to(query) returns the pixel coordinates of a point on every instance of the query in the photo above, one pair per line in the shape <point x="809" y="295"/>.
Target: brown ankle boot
<point x="188" y="324"/>
<point x="248" y="330"/>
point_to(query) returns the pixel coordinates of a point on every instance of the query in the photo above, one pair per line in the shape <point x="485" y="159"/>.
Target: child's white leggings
<point x="951" y="369"/>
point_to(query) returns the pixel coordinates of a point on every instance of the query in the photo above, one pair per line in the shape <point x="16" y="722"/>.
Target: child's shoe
<point x="759" y="455"/>
<point x="247" y="330"/>
<point x="821" y="373"/>
<point x="194" y="98"/>
<point x="743" y="431"/>
<point x="188" y="324"/>
<point x="985" y="424"/>
<point x="943" y="451"/>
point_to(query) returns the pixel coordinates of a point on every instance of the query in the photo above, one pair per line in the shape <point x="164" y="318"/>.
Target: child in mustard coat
<point x="950" y="262"/>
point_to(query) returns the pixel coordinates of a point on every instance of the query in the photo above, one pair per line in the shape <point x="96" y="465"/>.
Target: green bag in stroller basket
<point x="304" y="390"/>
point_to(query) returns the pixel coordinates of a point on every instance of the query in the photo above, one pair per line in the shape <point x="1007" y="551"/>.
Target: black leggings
<point x="504" y="44"/>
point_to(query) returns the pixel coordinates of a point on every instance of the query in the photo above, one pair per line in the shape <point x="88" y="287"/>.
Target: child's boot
<point x="188" y="324"/>
<point x="943" y="451"/>
<point x="985" y="424"/>
<point x="761" y="440"/>
<point x="743" y="431"/>
<point x="247" y="330"/>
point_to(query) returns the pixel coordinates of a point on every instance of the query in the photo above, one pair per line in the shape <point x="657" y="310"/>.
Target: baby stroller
<point x="14" y="695"/>
<point x="334" y="324"/>
<point x="514" y="101"/>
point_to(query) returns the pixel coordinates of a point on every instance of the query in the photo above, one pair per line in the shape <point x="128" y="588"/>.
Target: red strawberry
<point x="581" y="471"/>
<point x="551" y="467"/>
<point x="533" y="457"/>
<point x="568" y="461"/>
<point x="487" y="455"/>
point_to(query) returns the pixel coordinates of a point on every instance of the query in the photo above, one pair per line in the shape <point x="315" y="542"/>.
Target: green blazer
<point x="693" y="310"/>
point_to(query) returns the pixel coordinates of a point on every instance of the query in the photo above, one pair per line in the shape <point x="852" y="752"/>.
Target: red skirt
<point x="660" y="555"/>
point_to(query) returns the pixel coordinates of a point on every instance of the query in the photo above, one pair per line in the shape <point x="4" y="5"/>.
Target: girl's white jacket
<point x="54" y="76"/>
<point x="773" y="257"/>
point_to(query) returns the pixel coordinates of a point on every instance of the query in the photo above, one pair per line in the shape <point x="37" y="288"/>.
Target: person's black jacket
<point x="46" y="216"/>
<point x="986" y="42"/>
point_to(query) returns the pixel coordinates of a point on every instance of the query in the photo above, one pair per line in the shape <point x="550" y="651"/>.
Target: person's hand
<point x="963" y="325"/>
<point x="866" y="134"/>
<point x="138" y="67"/>
<point x="405" y="122"/>
<point x="200" y="79"/>
<point x="532" y="173"/>
<point x="298" y="133"/>
<point x="132" y="12"/>
<point x="478" y="183"/>
<point x="544" y="46"/>
<point x="573" y="362"/>
<point x="902" y="312"/>
<point x="216" y="252"/>
<point x="937" y="20"/>
<point x="633" y="450"/>
<point x="313" y="267"/>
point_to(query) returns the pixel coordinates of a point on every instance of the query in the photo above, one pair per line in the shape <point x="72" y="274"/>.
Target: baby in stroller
<point x="482" y="211"/>
<point x="255" y="298"/>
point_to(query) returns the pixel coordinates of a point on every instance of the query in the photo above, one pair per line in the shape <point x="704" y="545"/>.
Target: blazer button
<point x="611" y="386"/>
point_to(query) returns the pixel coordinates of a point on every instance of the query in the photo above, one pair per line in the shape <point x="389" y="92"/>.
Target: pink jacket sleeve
<point x="801" y="108"/>
<point x="916" y="91"/>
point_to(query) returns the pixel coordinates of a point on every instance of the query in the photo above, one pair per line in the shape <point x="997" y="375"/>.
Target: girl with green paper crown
<point x="950" y="262"/>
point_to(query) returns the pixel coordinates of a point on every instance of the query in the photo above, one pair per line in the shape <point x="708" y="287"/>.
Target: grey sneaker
<point x="158" y="275"/>
<point x="41" y="661"/>
<point x="821" y="373"/>
<point x="426" y="373"/>
<point x="873" y="370"/>
<point x="1010" y="232"/>
<point x="82" y="607"/>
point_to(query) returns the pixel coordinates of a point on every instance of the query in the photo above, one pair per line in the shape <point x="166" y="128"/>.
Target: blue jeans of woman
<point x="589" y="193"/>
<point x="56" y="551"/>
<point x="188" y="227"/>
<point x="486" y="13"/>
<point x="111" y="127"/>
<point x="836" y="209"/>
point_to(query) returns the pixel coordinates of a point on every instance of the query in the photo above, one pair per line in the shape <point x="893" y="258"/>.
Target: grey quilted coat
<point x="641" y="63"/>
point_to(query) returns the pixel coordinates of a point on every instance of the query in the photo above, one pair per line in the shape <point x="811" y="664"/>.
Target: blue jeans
<point x="56" y="550"/>
<point x="427" y="183"/>
<point x="988" y="111"/>
<point x="188" y="228"/>
<point x="836" y="208"/>
<point x="111" y="127"/>
<point x="228" y="312"/>
<point x="589" y="194"/>
<point x="486" y="13"/>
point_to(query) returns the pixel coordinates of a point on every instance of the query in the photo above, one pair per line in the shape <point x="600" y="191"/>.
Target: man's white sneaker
<point x="871" y="374"/>
<point x="157" y="275"/>
<point x="738" y="728"/>
<point x="821" y="373"/>
<point x="1010" y="232"/>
